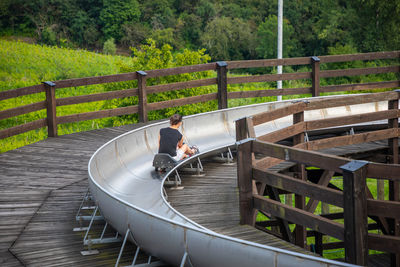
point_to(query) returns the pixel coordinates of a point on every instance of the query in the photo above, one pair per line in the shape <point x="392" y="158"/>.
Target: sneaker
<point x="196" y="149"/>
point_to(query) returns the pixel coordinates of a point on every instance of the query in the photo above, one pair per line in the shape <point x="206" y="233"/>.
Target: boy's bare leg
<point x="187" y="149"/>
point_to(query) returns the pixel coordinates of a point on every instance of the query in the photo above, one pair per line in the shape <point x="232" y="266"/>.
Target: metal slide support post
<point x="90" y="224"/>
<point x="122" y="247"/>
<point x="104" y="230"/>
<point x="178" y="180"/>
<point x="199" y="164"/>
<point x="355" y="212"/>
<point x="183" y="261"/>
<point x="80" y="206"/>
<point x="51" y="108"/>
<point x="136" y="255"/>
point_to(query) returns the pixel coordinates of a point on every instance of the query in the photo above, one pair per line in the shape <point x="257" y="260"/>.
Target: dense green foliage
<point x="238" y="29"/>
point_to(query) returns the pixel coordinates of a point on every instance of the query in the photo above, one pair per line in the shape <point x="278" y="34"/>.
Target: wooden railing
<point x="222" y="80"/>
<point x="260" y="187"/>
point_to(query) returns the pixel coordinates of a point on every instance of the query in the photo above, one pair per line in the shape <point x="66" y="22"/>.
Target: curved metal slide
<point x="131" y="199"/>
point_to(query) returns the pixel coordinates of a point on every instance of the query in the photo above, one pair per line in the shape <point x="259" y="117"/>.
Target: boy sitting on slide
<point x="170" y="140"/>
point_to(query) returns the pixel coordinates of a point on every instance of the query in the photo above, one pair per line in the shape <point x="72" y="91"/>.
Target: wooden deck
<point x="42" y="184"/>
<point x="41" y="187"/>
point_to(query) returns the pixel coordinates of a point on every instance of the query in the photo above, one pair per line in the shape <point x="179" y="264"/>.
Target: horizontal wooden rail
<point x="363" y="56"/>
<point x="181" y="101"/>
<point x="181" y="70"/>
<point x="359" y="71"/>
<point x="12" y="112"/>
<point x="180" y="85"/>
<point x="97" y="114"/>
<point x="268" y="62"/>
<point x="351" y="119"/>
<point x="352" y="139"/>
<point x="33" y="125"/>
<point x="96" y="80"/>
<point x="267" y="116"/>
<point x="270" y="77"/>
<point x="388" y="209"/>
<point x="284" y="133"/>
<point x="384" y="242"/>
<point x="312" y="158"/>
<point x="337" y="101"/>
<point x="269" y="92"/>
<point x="73" y="100"/>
<point x="360" y="86"/>
<point x="299" y="216"/>
<point x="312" y="104"/>
<point x="299" y="187"/>
<point x="34" y="89"/>
<point x="384" y="171"/>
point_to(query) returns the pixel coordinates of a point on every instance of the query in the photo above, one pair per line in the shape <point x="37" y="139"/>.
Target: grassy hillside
<point x="25" y="64"/>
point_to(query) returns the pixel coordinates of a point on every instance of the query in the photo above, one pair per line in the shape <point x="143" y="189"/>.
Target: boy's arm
<point x="180" y="143"/>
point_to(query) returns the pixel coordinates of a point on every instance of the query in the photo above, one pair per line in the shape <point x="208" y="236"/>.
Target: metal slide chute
<point x="131" y="198"/>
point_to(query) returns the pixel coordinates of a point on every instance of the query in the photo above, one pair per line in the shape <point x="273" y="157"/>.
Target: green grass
<point x="25" y="64"/>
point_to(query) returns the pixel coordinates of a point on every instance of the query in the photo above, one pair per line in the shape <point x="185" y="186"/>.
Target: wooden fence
<point x="222" y="80"/>
<point x="256" y="180"/>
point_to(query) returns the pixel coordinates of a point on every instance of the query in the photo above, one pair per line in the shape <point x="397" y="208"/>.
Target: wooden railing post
<point x="50" y="88"/>
<point x="315" y="75"/>
<point x="141" y="77"/>
<point x="300" y="231"/>
<point x="355" y="212"/>
<point x="245" y="183"/>
<point x="222" y="81"/>
<point x="394" y="187"/>
<point x="244" y="128"/>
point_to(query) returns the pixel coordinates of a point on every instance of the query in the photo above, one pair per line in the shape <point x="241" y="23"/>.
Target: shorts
<point x="179" y="154"/>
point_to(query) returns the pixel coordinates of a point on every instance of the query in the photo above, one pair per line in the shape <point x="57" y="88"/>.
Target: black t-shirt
<point x="169" y="139"/>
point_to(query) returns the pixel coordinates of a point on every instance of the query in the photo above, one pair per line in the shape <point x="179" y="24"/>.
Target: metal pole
<point x="280" y="37"/>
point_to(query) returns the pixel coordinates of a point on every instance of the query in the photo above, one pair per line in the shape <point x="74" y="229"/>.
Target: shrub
<point x="109" y="47"/>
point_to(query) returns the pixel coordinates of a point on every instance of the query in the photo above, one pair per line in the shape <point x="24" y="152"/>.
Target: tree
<point x="159" y="14"/>
<point x="377" y="27"/>
<point x="267" y="38"/>
<point x="134" y="34"/>
<point x="226" y="38"/>
<point x="116" y="13"/>
<point x="189" y="28"/>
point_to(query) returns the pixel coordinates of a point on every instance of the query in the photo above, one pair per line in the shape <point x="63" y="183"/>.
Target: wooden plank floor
<point x="41" y="186"/>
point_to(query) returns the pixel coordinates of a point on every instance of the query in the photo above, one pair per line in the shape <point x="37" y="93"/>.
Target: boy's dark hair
<point x="175" y="119"/>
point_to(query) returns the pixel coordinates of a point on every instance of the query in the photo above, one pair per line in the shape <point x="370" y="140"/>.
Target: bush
<point x="109" y="47"/>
